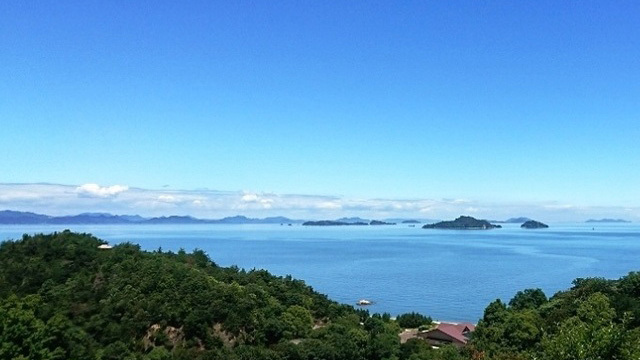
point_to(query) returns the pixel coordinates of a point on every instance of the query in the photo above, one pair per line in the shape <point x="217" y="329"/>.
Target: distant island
<point x="352" y="220"/>
<point x="9" y="217"/>
<point x="332" y="223"/>
<point x="345" y="223"/>
<point x="378" y="222"/>
<point x="607" y="221"/>
<point x="411" y="222"/>
<point x="532" y="224"/>
<point x="463" y="223"/>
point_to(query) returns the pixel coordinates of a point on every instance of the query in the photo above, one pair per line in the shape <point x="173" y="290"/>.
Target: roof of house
<point x="455" y="331"/>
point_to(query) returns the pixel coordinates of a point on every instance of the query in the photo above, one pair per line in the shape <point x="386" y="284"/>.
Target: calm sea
<point x="449" y="275"/>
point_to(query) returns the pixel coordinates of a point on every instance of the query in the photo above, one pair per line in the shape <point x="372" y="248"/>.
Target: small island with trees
<point x="532" y="224"/>
<point x="345" y="223"/>
<point x="332" y="223"/>
<point x="378" y="222"/>
<point x="463" y="223"/>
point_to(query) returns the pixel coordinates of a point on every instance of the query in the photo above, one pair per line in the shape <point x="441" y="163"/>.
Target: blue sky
<point x="513" y="104"/>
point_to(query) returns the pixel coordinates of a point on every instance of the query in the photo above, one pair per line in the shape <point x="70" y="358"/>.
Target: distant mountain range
<point x="518" y="220"/>
<point x="9" y="217"/>
<point x="19" y="217"/>
<point x="411" y="220"/>
<point x="607" y="221"/>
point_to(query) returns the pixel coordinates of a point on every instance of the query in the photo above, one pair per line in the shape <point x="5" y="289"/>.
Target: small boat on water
<point x="364" y="302"/>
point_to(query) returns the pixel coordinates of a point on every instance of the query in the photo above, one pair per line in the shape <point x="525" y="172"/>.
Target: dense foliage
<point x="595" y="319"/>
<point x="413" y="320"/>
<point x="63" y="298"/>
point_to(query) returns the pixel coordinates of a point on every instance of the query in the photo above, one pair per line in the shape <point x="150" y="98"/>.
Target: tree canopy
<point x="61" y="297"/>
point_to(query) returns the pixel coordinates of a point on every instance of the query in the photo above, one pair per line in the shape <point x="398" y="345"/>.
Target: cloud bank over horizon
<point x="56" y="199"/>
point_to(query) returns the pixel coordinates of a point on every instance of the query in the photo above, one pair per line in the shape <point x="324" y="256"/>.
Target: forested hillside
<point x="63" y="298"/>
<point x="595" y="319"/>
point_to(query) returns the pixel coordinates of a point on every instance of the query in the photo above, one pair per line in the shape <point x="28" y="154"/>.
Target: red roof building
<point x="443" y="334"/>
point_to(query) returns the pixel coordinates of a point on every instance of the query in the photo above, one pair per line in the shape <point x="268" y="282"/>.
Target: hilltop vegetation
<point x="63" y="298"/>
<point x="595" y="319"/>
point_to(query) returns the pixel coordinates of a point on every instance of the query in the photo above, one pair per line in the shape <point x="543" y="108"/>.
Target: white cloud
<point x="264" y="201"/>
<point x="459" y="201"/>
<point x="559" y="206"/>
<point x="167" y="198"/>
<point x="248" y="197"/>
<point x="95" y="190"/>
<point x="329" y="205"/>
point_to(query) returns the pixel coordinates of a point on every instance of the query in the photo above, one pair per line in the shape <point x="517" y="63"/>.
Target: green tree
<point x="22" y="334"/>
<point x="528" y="299"/>
<point x="413" y="320"/>
<point x="297" y="322"/>
<point x="158" y="353"/>
<point x="589" y="335"/>
<point x="523" y="330"/>
<point x="383" y="342"/>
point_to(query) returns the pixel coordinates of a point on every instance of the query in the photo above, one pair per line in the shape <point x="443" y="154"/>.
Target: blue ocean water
<point x="449" y="275"/>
